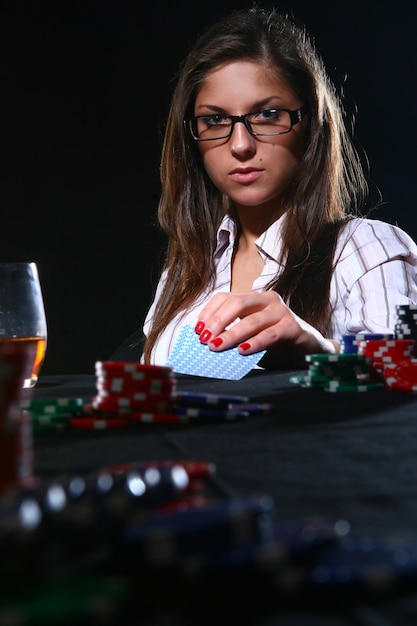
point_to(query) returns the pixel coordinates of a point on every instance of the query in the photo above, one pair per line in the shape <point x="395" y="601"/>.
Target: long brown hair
<point x="328" y="188"/>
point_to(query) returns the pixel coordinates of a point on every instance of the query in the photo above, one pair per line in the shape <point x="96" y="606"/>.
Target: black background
<point x="85" y="88"/>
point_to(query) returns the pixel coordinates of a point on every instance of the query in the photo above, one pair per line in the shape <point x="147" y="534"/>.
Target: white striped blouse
<point x="375" y="269"/>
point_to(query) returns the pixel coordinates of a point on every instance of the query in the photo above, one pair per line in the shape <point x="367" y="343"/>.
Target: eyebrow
<point x="266" y="102"/>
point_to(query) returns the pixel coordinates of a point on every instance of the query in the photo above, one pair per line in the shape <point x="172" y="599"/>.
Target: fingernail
<point x="205" y="335"/>
<point x="244" y="346"/>
<point x="199" y="327"/>
<point x="217" y="342"/>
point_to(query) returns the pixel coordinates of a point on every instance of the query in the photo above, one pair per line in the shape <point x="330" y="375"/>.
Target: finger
<point x="224" y="311"/>
<point x="203" y="326"/>
<point x="260" y="329"/>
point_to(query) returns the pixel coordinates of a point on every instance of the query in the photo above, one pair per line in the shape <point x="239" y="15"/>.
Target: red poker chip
<point x="127" y="367"/>
<point x="379" y="346"/>
<point x="183" y="504"/>
<point x="382" y="352"/>
<point x="128" y="404"/>
<point x="159" y="406"/>
<point x="402" y="375"/>
<point x="126" y="380"/>
<point x="145" y="417"/>
<point x="98" y="423"/>
<point x="133" y="398"/>
<point x="153" y="385"/>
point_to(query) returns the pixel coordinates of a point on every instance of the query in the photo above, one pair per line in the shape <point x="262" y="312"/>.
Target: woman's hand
<point x="255" y="321"/>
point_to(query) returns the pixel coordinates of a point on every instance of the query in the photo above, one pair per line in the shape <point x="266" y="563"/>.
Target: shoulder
<point x="377" y="238"/>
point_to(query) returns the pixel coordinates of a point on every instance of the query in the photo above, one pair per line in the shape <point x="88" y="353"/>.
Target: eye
<point x="268" y="115"/>
<point x="217" y="119"/>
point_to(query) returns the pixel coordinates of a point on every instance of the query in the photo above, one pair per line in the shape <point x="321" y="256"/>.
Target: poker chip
<point x="337" y="372"/>
<point x="52" y="414"/>
<point x="79" y="599"/>
<point x="174" y="538"/>
<point x="55" y="523"/>
<point x="208" y="399"/>
<point x="368" y="361"/>
<point x="154" y="399"/>
<point x="53" y="406"/>
<point x="131" y="367"/>
<point x="98" y="423"/>
<point x="134" y="391"/>
<point x="337" y="386"/>
<point x="406" y="326"/>
<point x="349" y="342"/>
<point x="402" y="376"/>
<point x="207" y="413"/>
<point x="153" y="385"/>
<point x="290" y="543"/>
<point x="116" y="403"/>
<point x="307" y="380"/>
<point x="194" y="468"/>
<point x="158" y="418"/>
<point x="373" y="567"/>
<point x="386" y="351"/>
<point x="334" y="358"/>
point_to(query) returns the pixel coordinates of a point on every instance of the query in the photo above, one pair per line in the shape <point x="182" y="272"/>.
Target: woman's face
<point x="252" y="171"/>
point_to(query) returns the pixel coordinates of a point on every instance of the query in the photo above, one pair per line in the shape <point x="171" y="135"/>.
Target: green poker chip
<point x="309" y="381"/>
<point x="80" y="599"/>
<point x="342" y="357"/>
<point x="53" y="426"/>
<point x="53" y="406"/>
<point x="337" y="386"/>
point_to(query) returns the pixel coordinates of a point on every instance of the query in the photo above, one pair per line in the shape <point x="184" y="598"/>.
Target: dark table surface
<point x="349" y="456"/>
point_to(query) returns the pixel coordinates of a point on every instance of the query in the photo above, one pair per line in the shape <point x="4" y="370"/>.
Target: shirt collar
<point x="269" y="243"/>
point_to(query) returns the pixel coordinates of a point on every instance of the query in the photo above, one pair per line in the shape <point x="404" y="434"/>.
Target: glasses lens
<point x="269" y="122"/>
<point x="211" y="126"/>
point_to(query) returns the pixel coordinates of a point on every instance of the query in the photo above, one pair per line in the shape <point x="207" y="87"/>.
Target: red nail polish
<point x="205" y="335"/>
<point x="199" y="327"/>
<point x="217" y="341"/>
<point x="244" y="346"/>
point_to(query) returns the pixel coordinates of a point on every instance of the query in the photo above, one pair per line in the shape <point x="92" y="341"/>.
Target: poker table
<point x="346" y="457"/>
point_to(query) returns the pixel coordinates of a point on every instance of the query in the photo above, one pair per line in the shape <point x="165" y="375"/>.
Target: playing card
<point x="190" y="356"/>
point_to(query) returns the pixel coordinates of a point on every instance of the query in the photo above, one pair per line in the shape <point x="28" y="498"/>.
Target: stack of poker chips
<point x="400" y="373"/>
<point x="48" y="414"/>
<point x="338" y="372"/>
<point x="130" y="392"/>
<point x="386" y="351"/>
<point x="133" y="393"/>
<point x="369" y="361"/>
<point x="406" y="325"/>
<point x="92" y="540"/>
<point x="349" y="343"/>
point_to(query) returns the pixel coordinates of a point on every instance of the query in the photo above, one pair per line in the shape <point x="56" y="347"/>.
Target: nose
<point x="241" y="140"/>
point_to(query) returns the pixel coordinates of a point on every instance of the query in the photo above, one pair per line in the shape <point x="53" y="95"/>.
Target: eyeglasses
<point x="264" y="123"/>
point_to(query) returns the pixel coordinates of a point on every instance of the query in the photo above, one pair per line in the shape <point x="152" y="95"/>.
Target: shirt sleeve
<point x="376" y="270"/>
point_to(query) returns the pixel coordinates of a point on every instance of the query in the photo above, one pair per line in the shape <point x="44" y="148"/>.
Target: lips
<point x="245" y="174"/>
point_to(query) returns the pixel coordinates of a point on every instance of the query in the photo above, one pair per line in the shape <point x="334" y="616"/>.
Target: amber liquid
<point x="37" y="356"/>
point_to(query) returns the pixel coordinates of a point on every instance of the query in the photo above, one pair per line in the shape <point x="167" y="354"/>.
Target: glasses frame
<point x="296" y="116"/>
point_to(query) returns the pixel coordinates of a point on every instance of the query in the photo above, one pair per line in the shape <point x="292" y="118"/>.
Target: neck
<point x="252" y="223"/>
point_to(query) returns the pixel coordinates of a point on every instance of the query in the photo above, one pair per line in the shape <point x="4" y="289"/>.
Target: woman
<point x="262" y="193"/>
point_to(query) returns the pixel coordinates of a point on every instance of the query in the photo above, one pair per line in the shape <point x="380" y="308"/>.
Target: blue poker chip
<point x="182" y="537"/>
<point x="292" y="542"/>
<point x="358" y="566"/>
<point x="191" y="398"/>
<point x="350" y="341"/>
